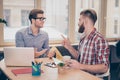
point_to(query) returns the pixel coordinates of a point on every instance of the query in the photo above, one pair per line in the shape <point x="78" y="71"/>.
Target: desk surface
<point x="70" y="74"/>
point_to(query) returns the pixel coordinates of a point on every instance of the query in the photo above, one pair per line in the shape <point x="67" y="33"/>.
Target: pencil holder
<point x="36" y="70"/>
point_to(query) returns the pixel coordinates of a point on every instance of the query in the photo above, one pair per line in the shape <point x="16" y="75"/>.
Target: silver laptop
<point x="18" y="56"/>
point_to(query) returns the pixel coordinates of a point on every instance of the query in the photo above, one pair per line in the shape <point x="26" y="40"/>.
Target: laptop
<point x="18" y="56"/>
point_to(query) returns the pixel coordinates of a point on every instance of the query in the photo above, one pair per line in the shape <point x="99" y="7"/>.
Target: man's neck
<point x="87" y="33"/>
<point x="35" y="30"/>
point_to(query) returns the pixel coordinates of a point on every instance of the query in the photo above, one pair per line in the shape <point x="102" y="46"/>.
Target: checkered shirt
<point x="94" y="49"/>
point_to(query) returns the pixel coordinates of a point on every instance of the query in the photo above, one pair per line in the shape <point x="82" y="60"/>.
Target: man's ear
<point x="33" y="21"/>
<point x="85" y="21"/>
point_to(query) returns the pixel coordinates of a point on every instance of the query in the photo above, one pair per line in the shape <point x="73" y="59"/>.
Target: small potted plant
<point x="3" y="21"/>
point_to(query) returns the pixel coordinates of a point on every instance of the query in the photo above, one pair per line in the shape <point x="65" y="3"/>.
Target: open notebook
<point x="57" y="52"/>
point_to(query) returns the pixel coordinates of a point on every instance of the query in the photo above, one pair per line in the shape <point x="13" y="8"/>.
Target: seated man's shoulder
<point x="100" y="37"/>
<point x="44" y="32"/>
<point x="23" y="30"/>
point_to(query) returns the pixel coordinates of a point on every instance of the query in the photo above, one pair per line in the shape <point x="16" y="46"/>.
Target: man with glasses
<point x="33" y="36"/>
<point x="93" y="51"/>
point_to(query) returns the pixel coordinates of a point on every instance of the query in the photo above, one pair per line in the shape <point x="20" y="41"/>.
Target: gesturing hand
<point x="66" y="42"/>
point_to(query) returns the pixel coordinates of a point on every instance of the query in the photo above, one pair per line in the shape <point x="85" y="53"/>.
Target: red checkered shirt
<point x="94" y="49"/>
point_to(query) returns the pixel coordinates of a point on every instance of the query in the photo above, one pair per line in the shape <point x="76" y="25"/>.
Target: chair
<point x="1" y="55"/>
<point x="118" y="48"/>
<point x="118" y="71"/>
<point x="113" y="55"/>
<point x="114" y="58"/>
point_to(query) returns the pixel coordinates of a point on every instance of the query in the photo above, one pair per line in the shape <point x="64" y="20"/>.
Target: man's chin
<point x="81" y="31"/>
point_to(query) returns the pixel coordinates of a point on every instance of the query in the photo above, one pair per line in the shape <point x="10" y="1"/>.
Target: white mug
<point x="66" y="58"/>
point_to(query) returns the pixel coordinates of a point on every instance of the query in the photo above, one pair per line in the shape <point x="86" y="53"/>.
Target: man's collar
<point x="92" y="33"/>
<point x="30" y="31"/>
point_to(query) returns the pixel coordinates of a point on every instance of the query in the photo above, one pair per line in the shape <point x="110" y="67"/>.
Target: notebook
<point x="18" y="56"/>
<point x="23" y="71"/>
<point x="58" y="54"/>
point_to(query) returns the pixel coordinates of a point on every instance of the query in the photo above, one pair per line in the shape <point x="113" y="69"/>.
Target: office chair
<point x="114" y="58"/>
<point x="118" y="71"/>
<point x="113" y="55"/>
<point x="118" y="54"/>
<point x="118" y="48"/>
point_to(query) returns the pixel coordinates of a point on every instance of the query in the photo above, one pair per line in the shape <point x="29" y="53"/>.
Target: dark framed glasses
<point x="41" y="18"/>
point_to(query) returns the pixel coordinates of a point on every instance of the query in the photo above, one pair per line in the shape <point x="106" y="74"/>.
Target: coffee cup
<point x="66" y="58"/>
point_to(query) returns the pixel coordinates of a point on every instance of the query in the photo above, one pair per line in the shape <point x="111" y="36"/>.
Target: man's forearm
<point x="73" y="52"/>
<point x="37" y="54"/>
<point x="99" y="68"/>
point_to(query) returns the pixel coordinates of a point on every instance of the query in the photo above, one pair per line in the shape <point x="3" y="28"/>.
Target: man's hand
<point x="66" y="42"/>
<point x="67" y="45"/>
<point x="97" y="68"/>
<point x="51" y="53"/>
<point x="75" y="64"/>
<point x="37" y="54"/>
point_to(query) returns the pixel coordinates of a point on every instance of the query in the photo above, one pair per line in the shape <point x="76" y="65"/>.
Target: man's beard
<point x="81" y="28"/>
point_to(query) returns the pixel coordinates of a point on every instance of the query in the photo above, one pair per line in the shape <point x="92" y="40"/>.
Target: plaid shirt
<point x="94" y="49"/>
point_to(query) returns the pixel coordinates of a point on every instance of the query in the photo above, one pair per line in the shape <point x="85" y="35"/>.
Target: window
<point x="62" y="18"/>
<point x="56" y="12"/>
<point x="87" y="4"/>
<point x="93" y="3"/>
<point x="16" y="14"/>
<point x="115" y="26"/>
<point x="57" y="18"/>
<point x="7" y="16"/>
<point x="81" y="3"/>
<point x="116" y="3"/>
<point x="112" y="20"/>
<point x="24" y="17"/>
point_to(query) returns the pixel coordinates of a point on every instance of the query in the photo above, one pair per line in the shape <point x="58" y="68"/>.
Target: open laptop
<point x="18" y="56"/>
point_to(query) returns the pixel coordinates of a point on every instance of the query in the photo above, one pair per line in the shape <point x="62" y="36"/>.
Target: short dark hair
<point x="90" y="14"/>
<point x="33" y="14"/>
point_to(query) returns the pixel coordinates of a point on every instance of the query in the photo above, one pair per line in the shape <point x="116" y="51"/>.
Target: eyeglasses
<point x="41" y="18"/>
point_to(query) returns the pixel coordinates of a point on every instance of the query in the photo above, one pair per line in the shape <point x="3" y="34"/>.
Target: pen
<point x="33" y="66"/>
<point x="32" y="63"/>
<point x="40" y="63"/>
<point x="36" y="62"/>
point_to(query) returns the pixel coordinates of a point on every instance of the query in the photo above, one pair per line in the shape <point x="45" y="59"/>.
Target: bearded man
<point x="93" y="51"/>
